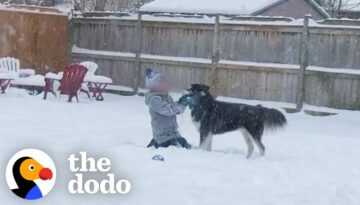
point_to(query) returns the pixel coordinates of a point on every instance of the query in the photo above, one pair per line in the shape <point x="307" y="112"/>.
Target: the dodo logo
<point x="31" y="174"/>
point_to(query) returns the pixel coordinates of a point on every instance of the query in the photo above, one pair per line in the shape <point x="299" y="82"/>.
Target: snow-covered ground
<point x="315" y="160"/>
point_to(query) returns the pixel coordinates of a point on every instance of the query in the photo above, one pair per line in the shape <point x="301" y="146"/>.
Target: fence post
<point x="70" y="34"/>
<point x="138" y="41"/>
<point x="300" y="97"/>
<point x="215" y="57"/>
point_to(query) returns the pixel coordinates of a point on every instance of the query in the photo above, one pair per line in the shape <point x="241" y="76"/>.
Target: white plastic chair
<point x="12" y="65"/>
<point x="92" y="80"/>
<point x="91" y="66"/>
<point x="90" y="75"/>
<point x="21" y="76"/>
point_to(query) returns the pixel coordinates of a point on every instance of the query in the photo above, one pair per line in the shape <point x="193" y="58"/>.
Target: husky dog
<point x="213" y="117"/>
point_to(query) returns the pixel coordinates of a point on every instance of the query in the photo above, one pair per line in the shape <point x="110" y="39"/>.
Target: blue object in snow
<point x="158" y="158"/>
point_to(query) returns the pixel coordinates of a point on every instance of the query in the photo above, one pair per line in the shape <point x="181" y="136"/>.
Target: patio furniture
<point x="94" y="83"/>
<point x="70" y="81"/>
<point x="5" y="79"/>
<point x="91" y="66"/>
<point x="12" y="65"/>
<point x="97" y="85"/>
<point x="20" y="77"/>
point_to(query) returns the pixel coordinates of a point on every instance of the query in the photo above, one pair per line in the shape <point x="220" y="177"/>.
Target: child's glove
<point x="184" y="100"/>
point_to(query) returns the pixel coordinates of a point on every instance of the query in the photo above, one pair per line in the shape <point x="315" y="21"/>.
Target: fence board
<point x="335" y="51"/>
<point x="33" y="38"/>
<point x="332" y="90"/>
<point x="275" y="48"/>
<point x="239" y="42"/>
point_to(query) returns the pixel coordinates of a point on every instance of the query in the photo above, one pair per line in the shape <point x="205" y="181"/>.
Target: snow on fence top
<point x="32" y="9"/>
<point x="232" y="7"/>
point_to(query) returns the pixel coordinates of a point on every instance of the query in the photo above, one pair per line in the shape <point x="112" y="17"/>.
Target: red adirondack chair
<point x="70" y="83"/>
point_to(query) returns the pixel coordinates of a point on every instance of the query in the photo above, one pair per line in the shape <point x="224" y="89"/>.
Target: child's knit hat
<point x="153" y="78"/>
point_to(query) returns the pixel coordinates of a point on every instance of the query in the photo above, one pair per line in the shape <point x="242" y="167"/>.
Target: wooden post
<point x="70" y="34"/>
<point x="82" y="5"/>
<point x="300" y="97"/>
<point x="138" y="41"/>
<point x="215" y="57"/>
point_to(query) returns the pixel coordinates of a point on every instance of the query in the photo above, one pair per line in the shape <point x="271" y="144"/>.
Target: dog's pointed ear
<point x="199" y="87"/>
<point x="206" y="88"/>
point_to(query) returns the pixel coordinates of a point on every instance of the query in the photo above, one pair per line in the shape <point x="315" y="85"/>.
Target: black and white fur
<point x="213" y="117"/>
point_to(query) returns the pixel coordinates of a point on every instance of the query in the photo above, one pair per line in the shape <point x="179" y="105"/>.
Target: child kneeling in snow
<point x="163" y="111"/>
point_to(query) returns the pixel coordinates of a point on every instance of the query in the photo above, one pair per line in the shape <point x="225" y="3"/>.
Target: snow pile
<point x="34" y="80"/>
<point x="243" y="7"/>
<point x="6" y="76"/>
<point x="314" y="161"/>
<point x="98" y="79"/>
<point x="54" y="76"/>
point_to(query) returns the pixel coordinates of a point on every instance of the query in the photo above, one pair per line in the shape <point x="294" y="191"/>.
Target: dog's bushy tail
<point x="274" y="119"/>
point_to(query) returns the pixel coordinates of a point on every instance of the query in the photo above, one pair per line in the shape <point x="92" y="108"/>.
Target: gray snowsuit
<point x="163" y="111"/>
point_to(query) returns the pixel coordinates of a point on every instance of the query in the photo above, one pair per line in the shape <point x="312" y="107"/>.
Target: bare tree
<point x="109" y="5"/>
<point x="100" y="5"/>
<point x="336" y="7"/>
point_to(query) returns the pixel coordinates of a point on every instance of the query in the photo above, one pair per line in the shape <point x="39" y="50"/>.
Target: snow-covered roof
<point x="236" y="7"/>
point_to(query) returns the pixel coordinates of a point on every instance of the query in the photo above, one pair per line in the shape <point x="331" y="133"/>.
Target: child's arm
<point x="158" y="105"/>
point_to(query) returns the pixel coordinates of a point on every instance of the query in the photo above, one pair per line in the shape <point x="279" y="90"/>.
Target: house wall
<point x="293" y="8"/>
<point x="350" y="14"/>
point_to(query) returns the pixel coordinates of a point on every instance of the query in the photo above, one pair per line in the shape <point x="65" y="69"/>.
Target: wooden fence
<point x="39" y="39"/>
<point x="187" y="51"/>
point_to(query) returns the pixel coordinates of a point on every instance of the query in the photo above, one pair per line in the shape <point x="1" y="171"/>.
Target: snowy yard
<point x="315" y="160"/>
